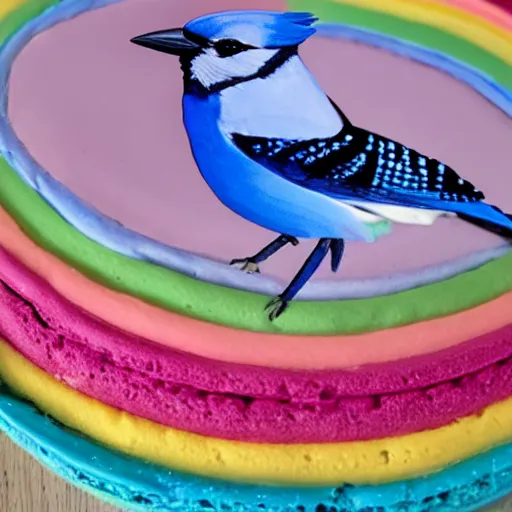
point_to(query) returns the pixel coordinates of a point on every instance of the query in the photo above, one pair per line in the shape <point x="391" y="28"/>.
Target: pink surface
<point x="230" y="345"/>
<point x="105" y="119"/>
<point x="243" y="402"/>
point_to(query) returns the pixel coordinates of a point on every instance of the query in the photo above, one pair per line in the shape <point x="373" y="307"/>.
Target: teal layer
<point x="132" y="483"/>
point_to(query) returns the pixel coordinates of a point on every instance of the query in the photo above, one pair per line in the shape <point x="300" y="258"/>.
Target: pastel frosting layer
<point x="236" y="346"/>
<point x="247" y="403"/>
<point x="176" y="292"/>
<point x="243" y="310"/>
<point x="137" y="485"/>
<point x="487" y="35"/>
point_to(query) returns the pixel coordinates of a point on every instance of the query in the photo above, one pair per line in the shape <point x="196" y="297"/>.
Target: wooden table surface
<point x="25" y="486"/>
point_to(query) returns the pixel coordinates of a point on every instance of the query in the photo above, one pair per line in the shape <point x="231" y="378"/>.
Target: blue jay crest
<point x="275" y="149"/>
<point x="256" y="28"/>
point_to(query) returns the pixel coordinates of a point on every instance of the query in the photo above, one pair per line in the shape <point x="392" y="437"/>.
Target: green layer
<point x="176" y="292"/>
<point x="17" y="18"/>
<point x="424" y="35"/>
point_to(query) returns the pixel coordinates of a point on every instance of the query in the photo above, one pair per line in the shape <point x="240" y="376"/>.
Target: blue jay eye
<point x="229" y="47"/>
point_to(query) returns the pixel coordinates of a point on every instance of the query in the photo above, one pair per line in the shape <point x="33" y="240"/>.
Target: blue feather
<point x="264" y="29"/>
<point x="256" y="194"/>
<point x="359" y="165"/>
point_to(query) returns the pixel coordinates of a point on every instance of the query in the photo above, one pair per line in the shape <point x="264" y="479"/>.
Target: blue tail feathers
<point x="489" y="218"/>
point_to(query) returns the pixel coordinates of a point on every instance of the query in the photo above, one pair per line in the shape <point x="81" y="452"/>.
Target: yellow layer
<point x="368" y="462"/>
<point x="461" y="23"/>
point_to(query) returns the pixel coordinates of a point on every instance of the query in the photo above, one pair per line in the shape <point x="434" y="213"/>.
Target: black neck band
<point x="194" y="86"/>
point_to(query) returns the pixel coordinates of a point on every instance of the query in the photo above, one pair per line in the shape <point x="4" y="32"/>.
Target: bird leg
<point x="277" y="306"/>
<point x="337" y="250"/>
<point x="250" y="265"/>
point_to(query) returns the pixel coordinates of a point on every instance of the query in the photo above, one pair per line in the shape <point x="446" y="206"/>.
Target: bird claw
<point x="292" y="240"/>
<point x="246" y="265"/>
<point x="276" y="307"/>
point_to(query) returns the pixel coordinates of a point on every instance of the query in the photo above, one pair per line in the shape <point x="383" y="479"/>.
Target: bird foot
<point x="246" y="265"/>
<point x="292" y="240"/>
<point x="276" y="307"/>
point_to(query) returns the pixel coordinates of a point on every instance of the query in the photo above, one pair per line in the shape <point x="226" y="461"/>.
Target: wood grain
<point x="25" y="486"/>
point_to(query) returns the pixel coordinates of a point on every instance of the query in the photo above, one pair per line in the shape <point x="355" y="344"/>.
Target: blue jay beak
<point x="171" y="41"/>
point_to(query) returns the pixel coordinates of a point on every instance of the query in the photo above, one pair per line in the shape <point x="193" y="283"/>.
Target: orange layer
<point x="231" y="345"/>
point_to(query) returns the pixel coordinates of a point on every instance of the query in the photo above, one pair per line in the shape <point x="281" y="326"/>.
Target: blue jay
<point x="275" y="149"/>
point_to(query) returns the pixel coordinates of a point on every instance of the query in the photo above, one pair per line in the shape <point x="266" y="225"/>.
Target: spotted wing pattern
<point x="357" y="164"/>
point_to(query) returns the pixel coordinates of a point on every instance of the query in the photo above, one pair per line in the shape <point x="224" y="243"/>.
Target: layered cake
<point x="139" y="364"/>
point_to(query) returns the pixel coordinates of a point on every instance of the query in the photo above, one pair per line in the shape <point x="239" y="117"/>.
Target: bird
<point x="279" y="152"/>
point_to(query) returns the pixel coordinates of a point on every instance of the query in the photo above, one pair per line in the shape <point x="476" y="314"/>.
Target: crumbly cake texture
<point x="395" y="396"/>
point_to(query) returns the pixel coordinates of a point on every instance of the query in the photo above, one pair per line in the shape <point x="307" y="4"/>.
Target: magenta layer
<point x="506" y="5"/>
<point x="241" y="402"/>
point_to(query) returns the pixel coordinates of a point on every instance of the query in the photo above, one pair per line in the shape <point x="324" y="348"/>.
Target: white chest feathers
<point x="288" y="104"/>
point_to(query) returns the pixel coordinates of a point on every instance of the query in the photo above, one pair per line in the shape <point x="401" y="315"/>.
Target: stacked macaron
<point x="151" y="377"/>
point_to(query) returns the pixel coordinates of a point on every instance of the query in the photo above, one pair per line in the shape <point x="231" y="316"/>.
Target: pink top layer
<point x="244" y="402"/>
<point x="105" y="119"/>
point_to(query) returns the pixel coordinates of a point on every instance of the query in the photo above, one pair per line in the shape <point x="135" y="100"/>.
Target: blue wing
<point x="361" y="166"/>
